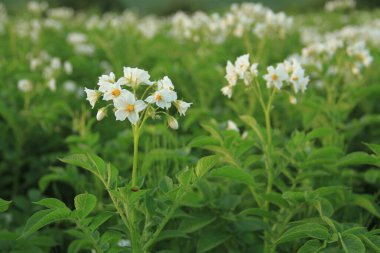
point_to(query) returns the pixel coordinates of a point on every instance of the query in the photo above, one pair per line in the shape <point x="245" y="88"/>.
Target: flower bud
<point x="172" y="122"/>
<point x="102" y="112"/>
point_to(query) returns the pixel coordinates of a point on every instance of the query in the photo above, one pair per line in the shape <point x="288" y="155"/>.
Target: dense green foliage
<point x="307" y="182"/>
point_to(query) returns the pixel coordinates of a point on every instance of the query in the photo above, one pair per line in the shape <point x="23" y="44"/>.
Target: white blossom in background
<point x="232" y="126"/>
<point x="335" y="5"/>
<point x="37" y="7"/>
<point x="24" y="85"/>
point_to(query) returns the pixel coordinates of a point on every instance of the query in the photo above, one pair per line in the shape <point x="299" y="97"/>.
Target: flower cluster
<point x="290" y="72"/>
<point x="335" y="5"/>
<point x="50" y="69"/>
<point x="239" y="20"/>
<point x="328" y="52"/>
<point x="129" y="101"/>
<point x="241" y="70"/>
<point x="80" y="43"/>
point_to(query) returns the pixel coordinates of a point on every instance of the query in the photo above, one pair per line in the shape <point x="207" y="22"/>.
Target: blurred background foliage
<point x="165" y="7"/>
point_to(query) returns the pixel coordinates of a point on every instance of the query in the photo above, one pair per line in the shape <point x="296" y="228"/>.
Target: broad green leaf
<point x="311" y="246"/>
<point x="374" y="147"/>
<point x="100" y="218"/>
<point x="257" y="212"/>
<point x="371" y="242"/>
<point x="185" y="177"/>
<point x="77" y="245"/>
<point x="320" y="132"/>
<point x="358" y="158"/>
<point x="366" y="203"/>
<point x="84" y="204"/>
<point x="90" y="162"/>
<point x="4" y="205"/>
<point x="169" y="234"/>
<point x="210" y="240"/>
<point x="205" y="164"/>
<point x="327" y="190"/>
<point x="308" y="230"/>
<point x="352" y="244"/>
<point x="202" y="141"/>
<point x="51" y="203"/>
<point x="277" y="199"/>
<point x="233" y="173"/>
<point x="193" y="224"/>
<point x="323" y="206"/>
<point x="45" y="217"/>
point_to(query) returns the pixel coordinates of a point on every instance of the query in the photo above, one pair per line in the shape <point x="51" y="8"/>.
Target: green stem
<point x="136" y="134"/>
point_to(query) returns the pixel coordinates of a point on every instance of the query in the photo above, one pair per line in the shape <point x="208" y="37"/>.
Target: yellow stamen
<point x="274" y="77"/>
<point x="116" y="92"/>
<point x="158" y="97"/>
<point x="130" y="108"/>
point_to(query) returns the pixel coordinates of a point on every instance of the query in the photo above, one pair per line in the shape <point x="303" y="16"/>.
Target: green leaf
<point x="234" y="174"/>
<point x="211" y="240"/>
<point x="257" y="212"/>
<point x="169" y="234"/>
<point x="323" y="206"/>
<point x="90" y="162"/>
<point x="319" y="132"/>
<point x="100" y="218"/>
<point x="366" y="203"/>
<point x="51" y="203"/>
<point x="352" y="244"/>
<point x="276" y="199"/>
<point x="201" y="141"/>
<point x="374" y="147"/>
<point x="358" y="158"/>
<point x="205" y="164"/>
<point x="84" y="204"/>
<point x="313" y="230"/>
<point x="4" y="205"/>
<point x="43" y="218"/>
<point x="311" y="246"/>
<point x="190" y="225"/>
<point x="77" y="245"/>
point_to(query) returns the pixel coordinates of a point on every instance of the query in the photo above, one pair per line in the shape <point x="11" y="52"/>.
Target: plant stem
<point x="136" y="134"/>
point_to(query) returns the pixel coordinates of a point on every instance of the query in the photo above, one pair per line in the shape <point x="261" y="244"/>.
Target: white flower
<point x="253" y="69"/>
<point x="276" y="76"/>
<point x="112" y="91"/>
<point x="242" y="65"/>
<point x="92" y="96"/>
<point x="105" y="81"/>
<point x="163" y="98"/>
<point x="124" y="243"/>
<point x="165" y="83"/>
<point x="134" y="76"/>
<point x="231" y="76"/>
<point x="227" y="91"/>
<point x="69" y="86"/>
<point x="68" y="67"/>
<point x="52" y="84"/>
<point x="128" y="107"/>
<point x="232" y="126"/>
<point x="182" y="106"/>
<point x="172" y="122"/>
<point x="24" y="85"/>
<point x="298" y="79"/>
<point x="102" y="112"/>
